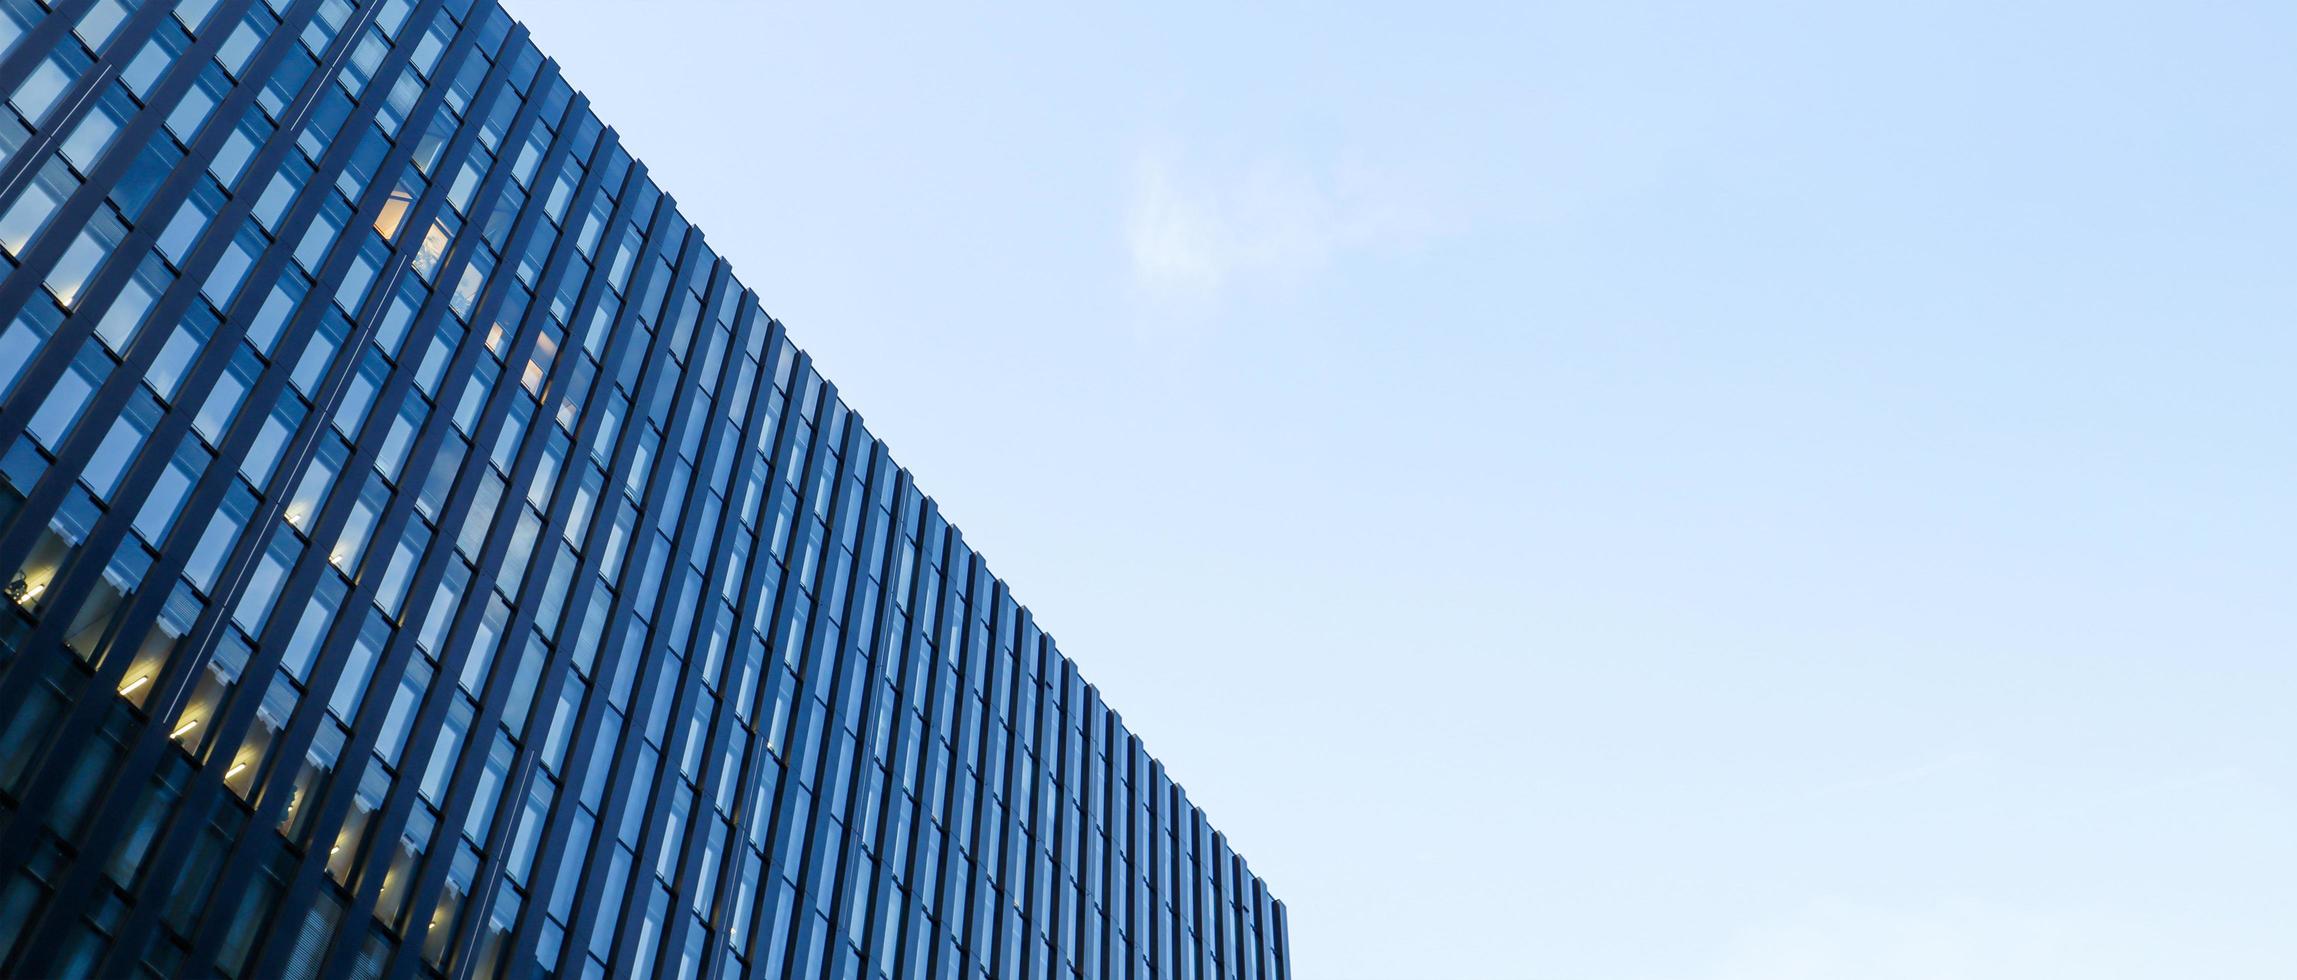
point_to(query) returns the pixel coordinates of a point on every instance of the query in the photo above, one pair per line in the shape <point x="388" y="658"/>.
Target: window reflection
<point x="160" y="644"/>
<point x="91" y="628"/>
<point x="311" y="492"/>
<point x="343" y="854"/>
<point x="193" y="726"/>
<point x="30" y="586"/>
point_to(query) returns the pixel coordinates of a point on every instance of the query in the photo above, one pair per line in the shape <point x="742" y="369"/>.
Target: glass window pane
<point x="311" y="491"/>
<point x="261" y="590"/>
<point x="120" y="444"/>
<point x="40" y="89"/>
<point x="174" y="361"/>
<point x="121" y="322"/>
<point x="69" y="395"/>
<point x="223" y="401"/>
<point x="216" y="542"/>
<point x="168" y="491"/>
<point x="359" y="668"/>
<point x="21" y="339"/>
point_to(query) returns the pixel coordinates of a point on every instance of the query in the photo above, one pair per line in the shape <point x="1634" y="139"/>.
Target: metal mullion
<point x="23" y="285"/>
<point x="1012" y="836"/>
<point x="1041" y="777"/>
<point x="1222" y="946"/>
<point x="586" y="730"/>
<point x="1201" y="853"/>
<point x="41" y="38"/>
<point x="1160" y="926"/>
<point x="786" y="595"/>
<point x="688" y="691"/>
<point x="623" y="345"/>
<point x="122" y="385"/>
<point x="1167" y="840"/>
<point x="314" y="563"/>
<point x="1068" y="820"/>
<point x="57" y="352"/>
<point x="33" y="48"/>
<point x="1056" y="825"/>
<point x="1282" y="918"/>
<point x="925" y="619"/>
<point x="981" y="728"/>
<point x="614" y="796"/>
<point x="901" y="649"/>
<point x="730" y="859"/>
<point x="1113" y="873"/>
<point x="435" y="313"/>
<point x="1264" y="926"/>
<point x="1117" y="946"/>
<point x="528" y="595"/>
<point x="954" y="765"/>
<point x="391" y="819"/>
<point x="1118" y="872"/>
<point x="241" y="708"/>
<point x="391" y="662"/>
<point x="1024" y="840"/>
<point x="103" y="67"/>
<point x="1148" y="851"/>
<point x="1117" y="823"/>
<point x="1072" y="818"/>
<point x="976" y="716"/>
<point x="490" y="700"/>
<point x="845" y="882"/>
<point x="169" y="849"/>
<point x="490" y="423"/>
<point x="724" y="721"/>
<point x="15" y="839"/>
<point x="1112" y="869"/>
<point x="758" y="576"/>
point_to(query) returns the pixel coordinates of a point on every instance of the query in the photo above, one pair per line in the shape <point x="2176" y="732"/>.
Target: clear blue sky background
<point x="1597" y="491"/>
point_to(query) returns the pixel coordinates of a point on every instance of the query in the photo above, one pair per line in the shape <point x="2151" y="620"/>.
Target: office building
<point x="425" y="559"/>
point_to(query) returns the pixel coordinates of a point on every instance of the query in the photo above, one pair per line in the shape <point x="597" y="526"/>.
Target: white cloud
<point x="1192" y="234"/>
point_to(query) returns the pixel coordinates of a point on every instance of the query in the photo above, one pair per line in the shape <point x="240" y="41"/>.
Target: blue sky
<point x="1608" y="491"/>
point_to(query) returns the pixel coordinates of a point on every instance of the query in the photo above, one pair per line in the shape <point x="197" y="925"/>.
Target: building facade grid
<point x="425" y="558"/>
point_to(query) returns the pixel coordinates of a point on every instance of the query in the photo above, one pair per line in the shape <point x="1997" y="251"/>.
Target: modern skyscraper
<point x="424" y="558"/>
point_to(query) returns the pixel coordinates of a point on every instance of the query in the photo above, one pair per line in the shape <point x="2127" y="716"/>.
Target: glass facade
<point x="424" y="558"/>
